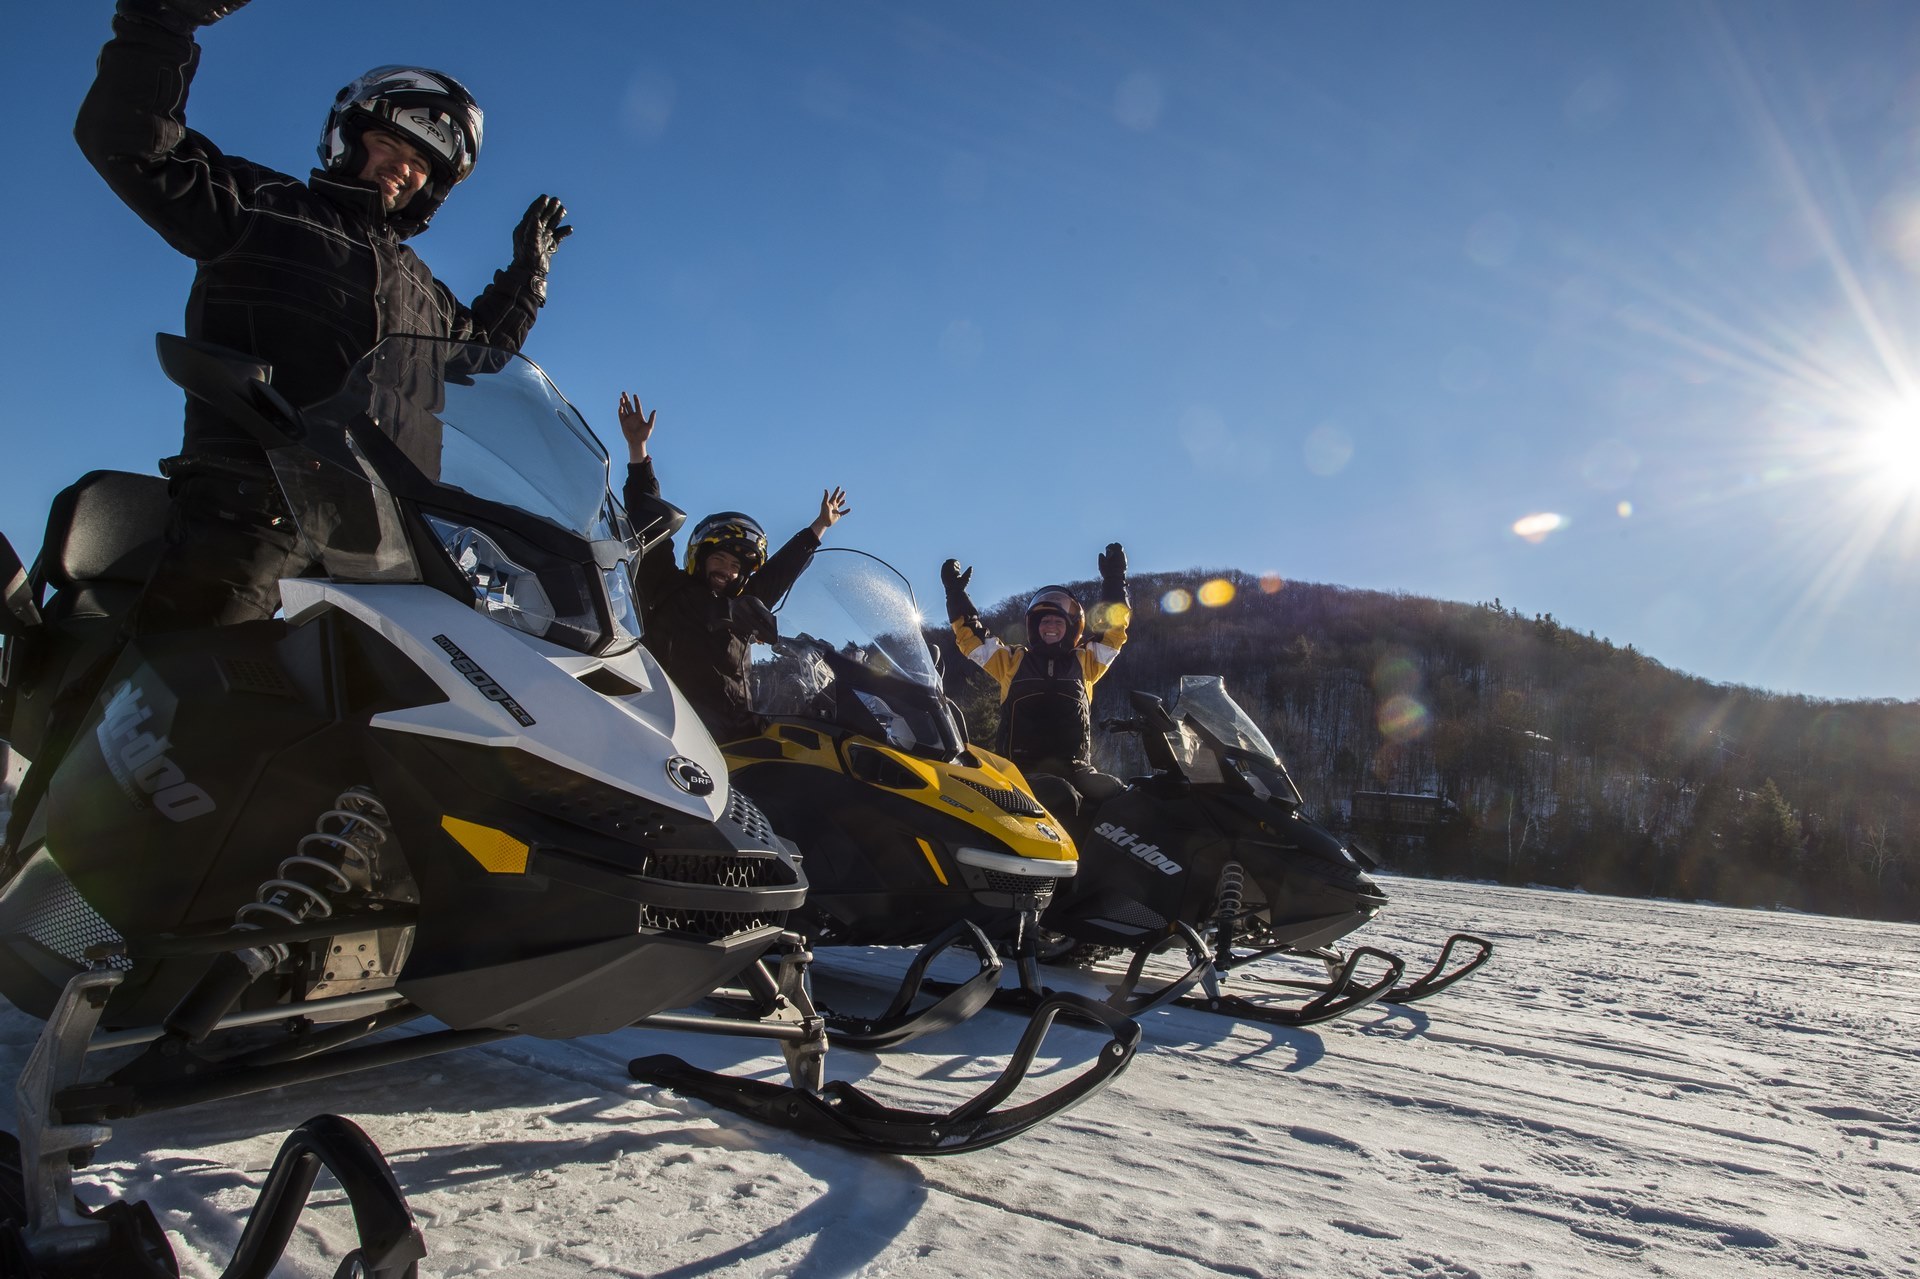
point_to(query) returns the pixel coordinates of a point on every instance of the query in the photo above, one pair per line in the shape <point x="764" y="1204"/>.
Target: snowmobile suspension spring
<point x="1233" y="883"/>
<point x="343" y="840"/>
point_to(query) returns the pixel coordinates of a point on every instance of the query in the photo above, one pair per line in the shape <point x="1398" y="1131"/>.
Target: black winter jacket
<point x="307" y="276"/>
<point x="705" y="641"/>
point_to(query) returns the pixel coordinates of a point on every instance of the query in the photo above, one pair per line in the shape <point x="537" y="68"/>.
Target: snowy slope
<point x="1630" y="1088"/>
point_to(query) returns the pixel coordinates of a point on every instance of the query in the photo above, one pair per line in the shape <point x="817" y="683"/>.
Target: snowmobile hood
<point x="506" y="688"/>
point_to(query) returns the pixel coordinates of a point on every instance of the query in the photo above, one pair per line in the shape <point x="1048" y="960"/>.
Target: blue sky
<point x="1341" y="293"/>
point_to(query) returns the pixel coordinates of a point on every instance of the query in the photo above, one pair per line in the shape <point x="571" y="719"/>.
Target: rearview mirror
<point x="1153" y="712"/>
<point x="654" y="518"/>
<point x="232" y="383"/>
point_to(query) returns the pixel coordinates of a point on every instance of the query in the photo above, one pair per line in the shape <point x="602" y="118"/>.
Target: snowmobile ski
<point x="1341" y="994"/>
<point x="842" y="1113"/>
<point x="45" y="1232"/>
<point x="1435" y="980"/>
<point x="901" y="1022"/>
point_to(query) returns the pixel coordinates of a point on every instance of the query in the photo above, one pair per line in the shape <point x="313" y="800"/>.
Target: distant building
<point x="1382" y="812"/>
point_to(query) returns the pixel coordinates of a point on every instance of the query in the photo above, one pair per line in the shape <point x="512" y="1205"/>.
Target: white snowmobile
<point x="448" y="783"/>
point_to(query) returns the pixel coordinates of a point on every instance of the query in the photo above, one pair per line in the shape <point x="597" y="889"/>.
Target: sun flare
<point x="1890" y="447"/>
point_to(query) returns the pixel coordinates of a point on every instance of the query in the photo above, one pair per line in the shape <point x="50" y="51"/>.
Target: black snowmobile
<point x="447" y="783"/>
<point x="912" y="837"/>
<point x="1213" y="854"/>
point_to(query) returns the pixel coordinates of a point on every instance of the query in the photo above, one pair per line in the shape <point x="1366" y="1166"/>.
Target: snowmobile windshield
<point x="866" y="611"/>
<point x="503" y="472"/>
<point x="853" y="636"/>
<point x="1216" y="739"/>
<point x="1204" y="700"/>
<point x="486" y="422"/>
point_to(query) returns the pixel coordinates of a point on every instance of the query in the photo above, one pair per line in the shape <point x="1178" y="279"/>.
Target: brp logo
<point x="689" y="776"/>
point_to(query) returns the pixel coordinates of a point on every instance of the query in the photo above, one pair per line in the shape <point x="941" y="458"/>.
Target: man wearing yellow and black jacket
<point x="1046" y="684"/>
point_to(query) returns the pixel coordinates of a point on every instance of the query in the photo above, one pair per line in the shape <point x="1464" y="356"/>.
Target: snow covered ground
<point x="1629" y="1088"/>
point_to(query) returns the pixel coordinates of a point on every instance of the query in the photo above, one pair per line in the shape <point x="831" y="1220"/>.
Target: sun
<point x="1889" y="447"/>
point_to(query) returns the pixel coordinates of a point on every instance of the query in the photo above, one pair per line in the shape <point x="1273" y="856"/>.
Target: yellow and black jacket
<point x="1046" y="697"/>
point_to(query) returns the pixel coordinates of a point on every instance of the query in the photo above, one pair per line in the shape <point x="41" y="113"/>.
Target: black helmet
<point x="1055" y="601"/>
<point x="430" y="109"/>
<point x="730" y="531"/>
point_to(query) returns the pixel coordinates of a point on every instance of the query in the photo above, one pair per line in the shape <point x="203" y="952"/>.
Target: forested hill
<point x="1574" y="761"/>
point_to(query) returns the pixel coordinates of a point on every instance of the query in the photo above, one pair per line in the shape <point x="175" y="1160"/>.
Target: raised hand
<point x="833" y="508"/>
<point x="539" y="234"/>
<point x="635" y="425"/>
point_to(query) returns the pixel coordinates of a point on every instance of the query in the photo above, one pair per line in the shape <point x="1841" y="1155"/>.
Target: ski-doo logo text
<point x="484" y="682"/>
<point x="1148" y="853"/>
<point x="138" y="760"/>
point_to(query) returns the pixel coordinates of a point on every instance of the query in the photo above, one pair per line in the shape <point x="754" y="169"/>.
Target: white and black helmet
<point x="430" y="109"/>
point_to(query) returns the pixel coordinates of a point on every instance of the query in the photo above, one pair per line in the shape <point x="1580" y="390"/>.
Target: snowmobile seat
<point x="104" y="534"/>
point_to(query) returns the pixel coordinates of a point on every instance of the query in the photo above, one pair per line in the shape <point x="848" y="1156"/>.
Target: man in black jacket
<point x="305" y="276"/>
<point x="702" y="621"/>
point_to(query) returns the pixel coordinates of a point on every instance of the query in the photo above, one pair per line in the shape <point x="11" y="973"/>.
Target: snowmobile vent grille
<point x="702" y="923"/>
<point x="1001" y="882"/>
<point x="745" y="814"/>
<point x="703" y="868"/>
<point x="720" y="872"/>
<point x="1128" y="912"/>
<point x="43" y="904"/>
<point x="251" y="675"/>
<point x="1011" y="801"/>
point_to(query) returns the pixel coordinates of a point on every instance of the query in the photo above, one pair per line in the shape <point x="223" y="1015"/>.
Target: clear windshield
<point x="859" y="607"/>
<point x="483" y="421"/>
<point x="849" y="607"/>
<point x="1204" y="700"/>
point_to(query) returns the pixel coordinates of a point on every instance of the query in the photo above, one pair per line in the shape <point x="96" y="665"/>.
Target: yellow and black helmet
<point x="738" y="535"/>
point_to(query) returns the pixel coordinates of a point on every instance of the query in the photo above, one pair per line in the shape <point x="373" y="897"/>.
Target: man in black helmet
<point x="702" y="618"/>
<point x="1046" y="684"/>
<point x="306" y="276"/>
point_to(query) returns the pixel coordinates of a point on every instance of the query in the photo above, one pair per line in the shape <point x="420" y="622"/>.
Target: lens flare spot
<point x="1403" y="718"/>
<point x="1176" y="601"/>
<point x="1138" y="101"/>
<point x="1536" y="527"/>
<point x="1624" y="510"/>
<point x="1328" y="449"/>
<point x="1216" y="593"/>
<point x="1609" y="465"/>
<point x="1271" y="583"/>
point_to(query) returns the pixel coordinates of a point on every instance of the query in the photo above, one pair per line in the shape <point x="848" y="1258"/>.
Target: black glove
<point x="750" y="619"/>
<point x="537" y="236"/>
<point x="955" y="580"/>
<point x="1113" y="573"/>
<point x="180" y="16"/>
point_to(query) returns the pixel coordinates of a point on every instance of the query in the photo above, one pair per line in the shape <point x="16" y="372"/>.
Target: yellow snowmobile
<point x="911" y="835"/>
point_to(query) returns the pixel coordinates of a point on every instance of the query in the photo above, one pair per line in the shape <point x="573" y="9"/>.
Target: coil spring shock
<point x="347" y="836"/>
<point x="1231" y="893"/>
<point x="338" y="852"/>
<point x="1227" y="902"/>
